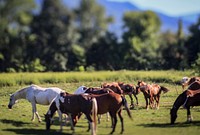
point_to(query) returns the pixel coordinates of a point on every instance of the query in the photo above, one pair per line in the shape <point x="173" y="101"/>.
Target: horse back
<point x="195" y="85"/>
<point x="42" y="96"/>
<point x="76" y="103"/>
<point x="108" y="101"/>
<point x="193" y="101"/>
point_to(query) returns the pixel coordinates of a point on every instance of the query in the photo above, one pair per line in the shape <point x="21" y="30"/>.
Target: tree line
<point x="58" y="38"/>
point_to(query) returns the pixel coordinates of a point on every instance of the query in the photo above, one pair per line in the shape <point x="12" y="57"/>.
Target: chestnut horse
<point x="73" y="105"/>
<point x="94" y="90"/>
<point x="186" y="81"/>
<point x="186" y="100"/>
<point x="122" y="88"/>
<point x="151" y="92"/>
<point x="109" y="102"/>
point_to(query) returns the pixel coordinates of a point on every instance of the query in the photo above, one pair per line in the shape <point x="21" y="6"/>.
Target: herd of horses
<point x="108" y="98"/>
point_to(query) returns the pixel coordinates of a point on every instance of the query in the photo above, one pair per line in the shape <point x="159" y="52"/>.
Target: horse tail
<point x="164" y="89"/>
<point x="95" y="112"/>
<point x="125" y="104"/>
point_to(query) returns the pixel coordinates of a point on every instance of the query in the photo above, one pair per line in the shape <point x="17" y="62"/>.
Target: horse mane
<point x="21" y="90"/>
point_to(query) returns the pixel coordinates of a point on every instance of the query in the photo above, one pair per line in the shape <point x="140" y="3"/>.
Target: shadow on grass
<point x="168" y="125"/>
<point x="13" y="122"/>
<point x="36" y="132"/>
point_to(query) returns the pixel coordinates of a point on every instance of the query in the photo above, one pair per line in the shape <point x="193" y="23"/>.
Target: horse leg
<point x="34" y="111"/>
<point x="71" y="122"/>
<point x="91" y="125"/>
<point x="60" y="119"/>
<point x="189" y="116"/>
<point x="107" y="116"/>
<point x="122" y="121"/>
<point x="147" y="104"/>
<point x="114" y="123"/>
<point x="136" y="99"/>
<point x="132" y="104"/>
<point x="99" y="118"/>
<point x="158" y="99"/>
<point x="151" y="103"/>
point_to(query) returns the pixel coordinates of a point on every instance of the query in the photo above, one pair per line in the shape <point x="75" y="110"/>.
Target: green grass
<point x="156" y="122"/>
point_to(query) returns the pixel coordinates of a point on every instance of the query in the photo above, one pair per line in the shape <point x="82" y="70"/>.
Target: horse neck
<point x="21" y="94"/>
<point x="52" y="109"/>
<point x="179" y="101"/>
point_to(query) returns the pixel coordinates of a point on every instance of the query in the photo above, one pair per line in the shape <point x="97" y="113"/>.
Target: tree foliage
<point x="140" y="39"/>
<point x="57" y="38"/>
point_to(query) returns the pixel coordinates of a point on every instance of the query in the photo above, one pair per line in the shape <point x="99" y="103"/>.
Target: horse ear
<point x="10" y="94"/>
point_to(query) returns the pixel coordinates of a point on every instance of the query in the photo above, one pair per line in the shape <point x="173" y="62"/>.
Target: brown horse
<point x="151" y="92"/>
<point x="109" y="102"/>
<point x="112" y="103"/>
<point x="186" y="81"/>
<point x="98" y="90"/>
<point x="73" y="104"/>
<point x="187" y="101"/>
<point x="122" y="88"/>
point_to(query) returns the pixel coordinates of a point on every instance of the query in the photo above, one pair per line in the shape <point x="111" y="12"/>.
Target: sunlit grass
<point x="156" y="122"/>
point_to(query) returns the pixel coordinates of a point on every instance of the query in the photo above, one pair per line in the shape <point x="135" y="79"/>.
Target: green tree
<point x="196" y="66"/>
<point x="91" y="22"/>
<point x="15" y="17"/>
<point x="105" y="54"/>
<point x="55" y="34"/>
<point x="172" y="46"/>
<point x="140" y="40"/>
<point x="193" y="42"/>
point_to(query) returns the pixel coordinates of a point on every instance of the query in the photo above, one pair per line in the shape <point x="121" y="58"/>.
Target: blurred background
<point x="93" y="35"/>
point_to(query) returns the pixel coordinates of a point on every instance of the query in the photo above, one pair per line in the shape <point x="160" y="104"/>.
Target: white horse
<point x="35" y="95"/>
<point x="80" y="90"/>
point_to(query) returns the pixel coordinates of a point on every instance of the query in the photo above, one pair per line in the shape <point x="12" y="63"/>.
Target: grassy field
<point x="17" y="120"/>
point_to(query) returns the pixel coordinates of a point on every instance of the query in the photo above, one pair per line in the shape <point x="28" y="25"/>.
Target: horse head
<point x="128" y="88"/>
<point x="48" y="121"/>
<point x="141" y="83"/>
<point x="80" y="90"/>
<point x="12" y="101"/>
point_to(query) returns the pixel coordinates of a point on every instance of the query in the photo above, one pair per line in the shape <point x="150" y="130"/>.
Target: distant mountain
<point x="117" y="9"/>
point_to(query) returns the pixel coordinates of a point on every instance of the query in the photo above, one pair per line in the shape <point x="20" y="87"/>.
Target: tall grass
<point x="13" y="79"/>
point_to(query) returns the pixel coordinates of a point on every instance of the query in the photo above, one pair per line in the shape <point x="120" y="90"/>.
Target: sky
<point x="169" y="7"/>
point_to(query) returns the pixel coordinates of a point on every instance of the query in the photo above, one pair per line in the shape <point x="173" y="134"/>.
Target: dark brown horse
<point x="151" y="93"/>
<point x="73" y="105"/>
<point x="122" y="88"/>
<point x="187" y="101"/>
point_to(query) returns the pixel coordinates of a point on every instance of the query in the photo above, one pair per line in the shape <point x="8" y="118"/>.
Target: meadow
<point x="157" y="122"/>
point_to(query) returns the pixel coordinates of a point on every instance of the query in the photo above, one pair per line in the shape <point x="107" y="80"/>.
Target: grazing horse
<point x="186" y="81"/>
<point x="151" y="92"/>
<point x="112" y="103"/>
<point x="73" y="105"/>
<point x="35" y="95"/>
<point x="94" y="90"/>
<point x="122" y="88"/>
<point x="190" y="97"/>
